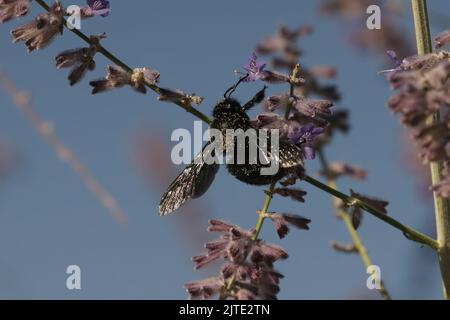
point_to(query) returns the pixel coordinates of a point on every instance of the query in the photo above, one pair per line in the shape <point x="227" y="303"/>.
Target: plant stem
<point x="345" y="216"/>
<point x="269" y="195"/>
<point x="442" y="205"/>
<point x="409" y="232"/>
<point x="262" y="214"/>
<point x="110" y="56"/>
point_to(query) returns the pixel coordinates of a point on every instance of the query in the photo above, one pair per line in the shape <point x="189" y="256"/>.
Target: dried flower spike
<point x="282" y="222"/>
<point x="378" y="204"/>
<point x="80" y="60"/>
<point x="178" y="96"/>
<point x="248" y="270"/>
<point x="295" y="194"/>
<point x="13" y="8"/>
<point x="117" y="77"/>
<point x="39" y="33"/>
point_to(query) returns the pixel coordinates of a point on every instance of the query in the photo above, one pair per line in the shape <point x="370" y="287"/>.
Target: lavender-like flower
<point x="248" y="271"/>
<point x="96" y="8"/>
<point x="118" y="77"/>
<point x="423" y="87"/>
<point x="304" y="137"/>
<point x="254" y="68"/>
<point x="13" y="8"/>
<point x="39" y="33"/>
<point x="81" y="60"/>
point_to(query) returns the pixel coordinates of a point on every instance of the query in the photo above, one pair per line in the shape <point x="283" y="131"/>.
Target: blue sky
<point x="48" y="220"/>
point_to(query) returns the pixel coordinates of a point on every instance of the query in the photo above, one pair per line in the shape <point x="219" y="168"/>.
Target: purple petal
<point x="309" y="152"/>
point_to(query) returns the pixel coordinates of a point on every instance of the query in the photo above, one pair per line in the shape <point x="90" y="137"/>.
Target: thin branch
<point x="409" y="232"/>
<point x="110" y="56"/>
<point x="345" y="216"/>
<point x="442" y="205"/>
<point x="22" y="101"/>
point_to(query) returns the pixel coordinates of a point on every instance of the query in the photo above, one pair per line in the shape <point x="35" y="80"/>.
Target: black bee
<point x="198" y="176"/>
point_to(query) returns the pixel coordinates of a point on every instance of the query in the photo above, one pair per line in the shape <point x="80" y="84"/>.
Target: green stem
<point x="346" y="217"/>
<point x="262" y="214"/>
<point x="110" y="56"/>
<point x="409" y="232"/>
<point x="442" y="205"/>
<point x="269" y="195"/>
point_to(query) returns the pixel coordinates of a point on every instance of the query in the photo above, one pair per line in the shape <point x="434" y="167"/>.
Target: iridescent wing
<point x="192" y="182"/>
<point x="288" y="156"/>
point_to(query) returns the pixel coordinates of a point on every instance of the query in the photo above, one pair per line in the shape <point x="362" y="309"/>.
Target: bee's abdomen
<point x="251" y="174"/>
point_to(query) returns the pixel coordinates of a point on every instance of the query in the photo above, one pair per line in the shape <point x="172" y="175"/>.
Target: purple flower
<point x="304" y="137"/>
<point x="99" y="7"/>
<point x="393" y="56"/>
<point x="13" y="8"/>
<point x="254" y="68"/>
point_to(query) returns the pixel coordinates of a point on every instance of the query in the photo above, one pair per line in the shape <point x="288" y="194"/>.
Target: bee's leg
<point x="258" y="98"/>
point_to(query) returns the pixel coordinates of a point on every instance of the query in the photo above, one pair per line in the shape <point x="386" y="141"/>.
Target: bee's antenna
<point x="232" y="89"/>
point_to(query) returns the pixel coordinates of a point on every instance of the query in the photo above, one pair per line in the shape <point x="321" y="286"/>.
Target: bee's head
<point x="227" y="105"/>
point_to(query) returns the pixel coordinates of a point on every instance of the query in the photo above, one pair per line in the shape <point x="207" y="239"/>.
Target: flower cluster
<point x="40" y="32"/>
<point x="423" y="88"/>
<point x="306" y="115"/>
<point x="248" y="272"/>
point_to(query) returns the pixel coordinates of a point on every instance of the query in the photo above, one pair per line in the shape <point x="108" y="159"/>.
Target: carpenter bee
<point x="198" y="176"/>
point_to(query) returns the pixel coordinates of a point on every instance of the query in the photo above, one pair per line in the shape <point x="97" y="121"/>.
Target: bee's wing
<point x="192" y="182"/>
<point x="289" y="155"/>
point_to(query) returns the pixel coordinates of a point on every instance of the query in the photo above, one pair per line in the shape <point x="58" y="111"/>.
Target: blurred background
<point x="49" y="219"/>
